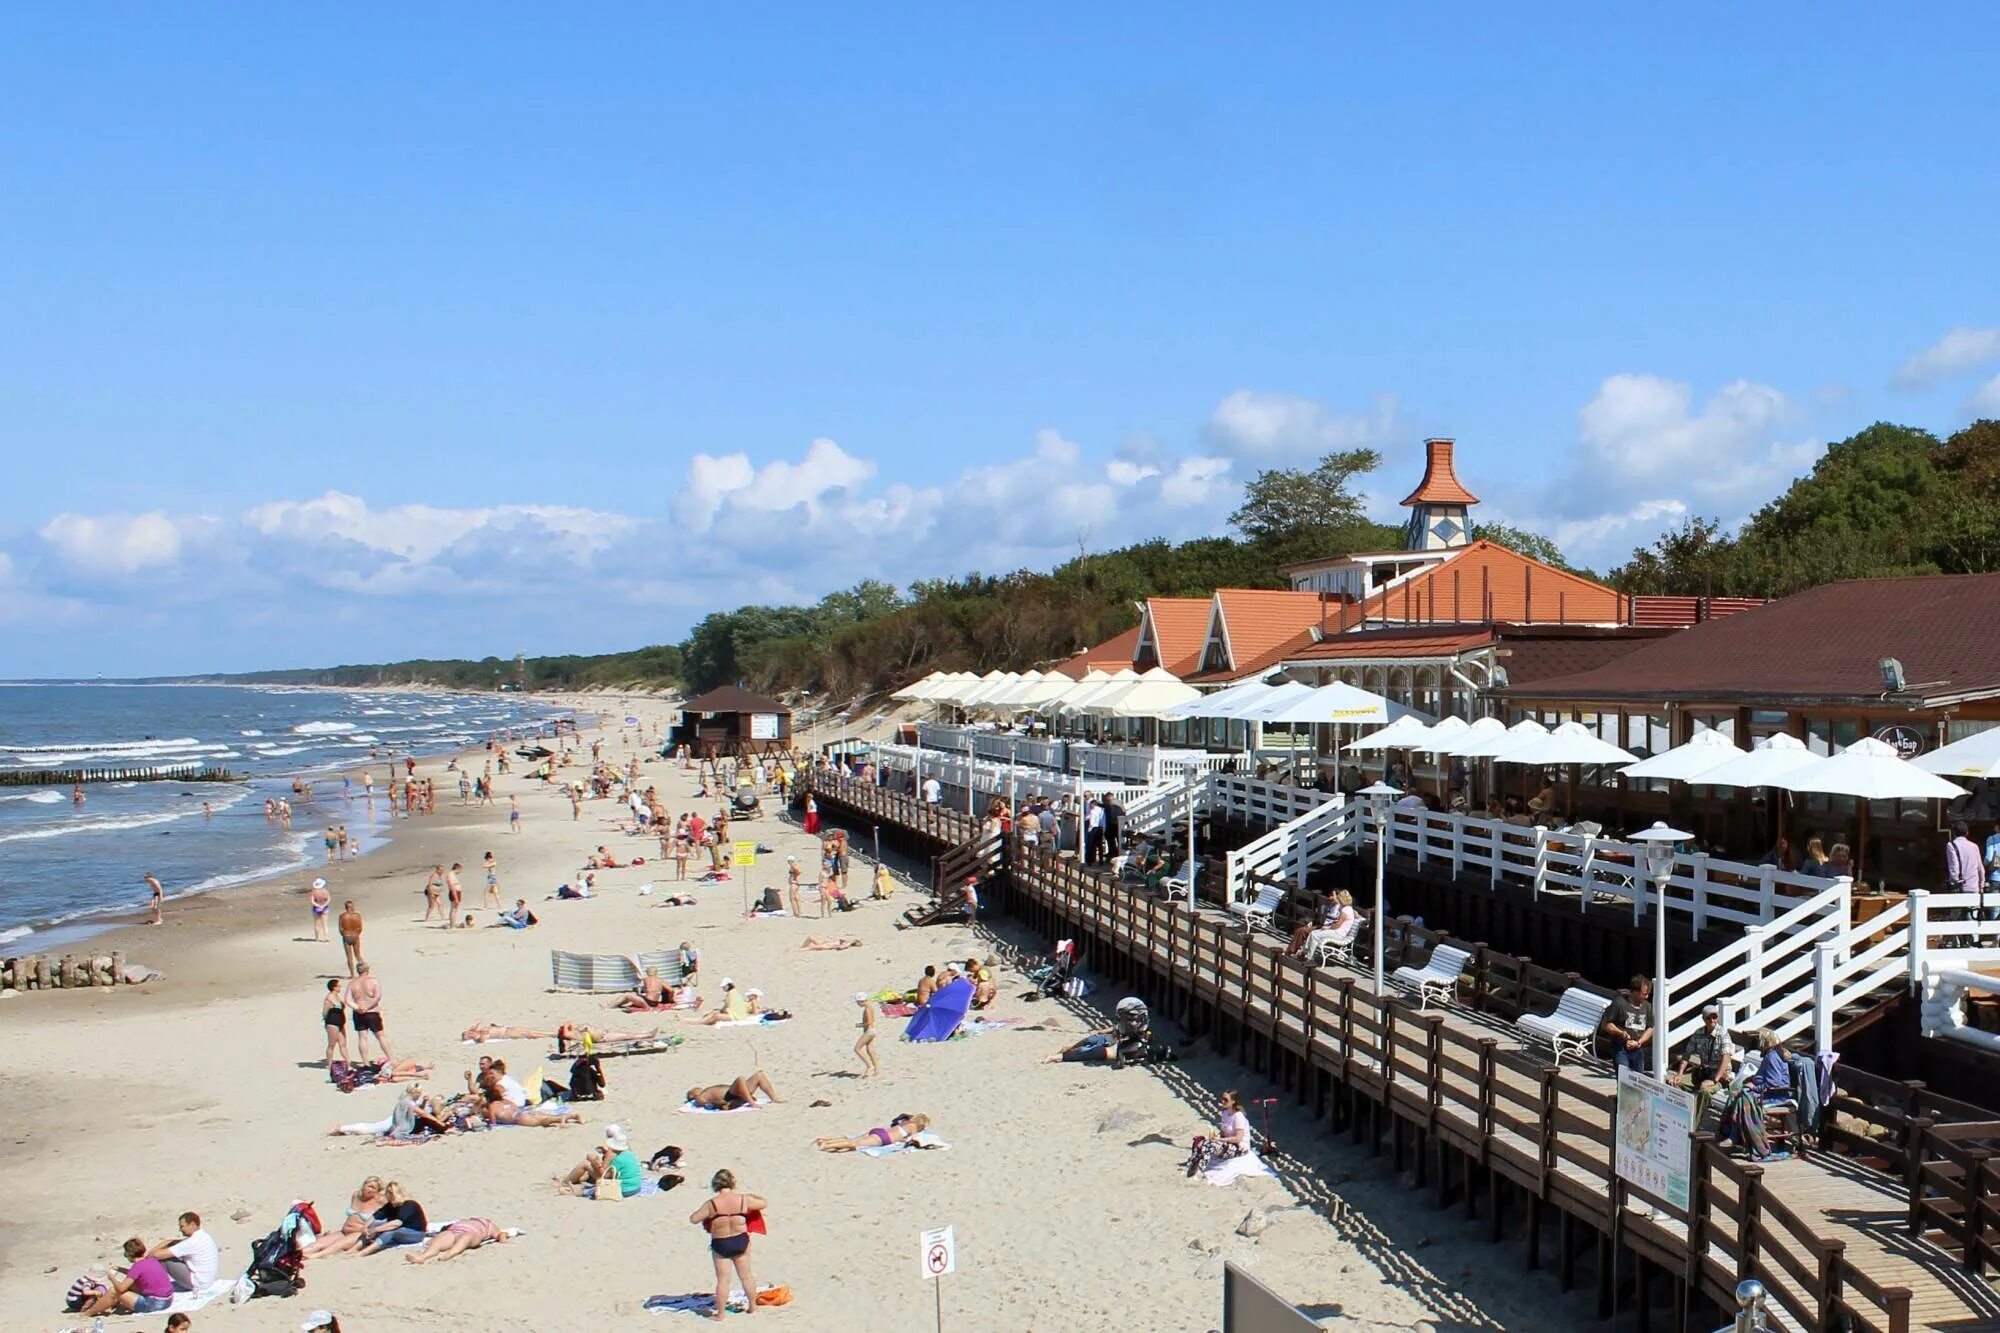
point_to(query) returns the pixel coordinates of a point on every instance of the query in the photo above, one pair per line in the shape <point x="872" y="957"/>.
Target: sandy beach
<point x="205" y="1091"/>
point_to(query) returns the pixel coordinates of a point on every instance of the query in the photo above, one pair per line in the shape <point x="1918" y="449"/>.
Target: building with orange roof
<point x="1172" y="634"/>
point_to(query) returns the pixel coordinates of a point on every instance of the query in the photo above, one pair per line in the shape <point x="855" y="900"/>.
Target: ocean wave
<point x="94" y="826"/>
<point x="151" y="742"/>
<point x="377" y="712"/>
<point x="181" y="754"/>
<point x="38" y="797"/>
<point x="16" y="933"/>
<point x="251" y="732"/>
<point x="273" y="751"/>
<point x="321" y="728"/>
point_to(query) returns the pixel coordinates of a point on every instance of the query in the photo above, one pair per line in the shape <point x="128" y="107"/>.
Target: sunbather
<point x="829" y="942"/>
<point x="360" y="1209"/>
<point x="901" y="1130"/>
<point x="468" y="1233"/>
<point x="652" y="992"/>
<point x="500" y="1111"/>
<point x="735" y="1007"/>
<point x="739" y="1092"/>
<point x="502" y="1032"/>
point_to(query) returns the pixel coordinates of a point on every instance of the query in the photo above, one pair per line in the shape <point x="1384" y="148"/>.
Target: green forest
<point x="1887" y="500"/>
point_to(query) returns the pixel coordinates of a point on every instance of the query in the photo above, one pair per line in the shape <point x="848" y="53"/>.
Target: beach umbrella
<point x="992" y="694"/>
<point x="975" y="689"/>
<point x="1336" y="702"/>
<point x="1080" y="699"/>
<point x="1441" y="734"/>
<point x="1152" y="695"/>
<point x="1977" y="756"/>
<point x="1477" y="733"/>
<point x="1231" y="702"/>
<point x="1404" y="732"/>
<point x="1868" y="770"/>
<point x="1704" y="751"/>
<point x="1570" y="743"/>
<point x="1525" y="732"/>
<point x="1770" y="759"/>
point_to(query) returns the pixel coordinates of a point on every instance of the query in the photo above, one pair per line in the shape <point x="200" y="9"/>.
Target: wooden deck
<point x="1456" y="1095"/>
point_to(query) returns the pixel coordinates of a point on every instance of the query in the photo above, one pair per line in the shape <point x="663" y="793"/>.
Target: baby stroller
<point x="277" y="1262"/>
<point x="745" y="804"/>
<point x="1057" y="976"/>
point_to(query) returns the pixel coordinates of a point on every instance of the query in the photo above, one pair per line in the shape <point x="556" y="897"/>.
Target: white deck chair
<point x="1572" y="1029"/>
<point x="1437" y="979"/>
<point x="1259" y="910"/>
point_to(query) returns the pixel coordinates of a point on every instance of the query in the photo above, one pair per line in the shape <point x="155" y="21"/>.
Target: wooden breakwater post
<point x="74" y="777"/>
<point x="70" y="972"/>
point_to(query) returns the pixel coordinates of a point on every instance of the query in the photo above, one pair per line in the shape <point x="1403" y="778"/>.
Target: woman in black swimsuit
<point x="726" y="1218"/>
<point x="333" y="1014"/>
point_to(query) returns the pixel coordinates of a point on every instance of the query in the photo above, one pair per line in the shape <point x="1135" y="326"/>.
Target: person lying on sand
<point x="829" y="942"/>
<point x="567" y="1033"/>
<point x="728" y="1096"/>
<point x="901" y="1130"/>
<point x="570" y="1037"/>
<point x="500" y="1111"/>
<point x="468" y="1233"/>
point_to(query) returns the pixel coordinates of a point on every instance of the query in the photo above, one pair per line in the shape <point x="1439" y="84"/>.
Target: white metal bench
<point x="1438" y="978"/>
<point x="1189" y="874"/>
<point x="1259" y="910"/>
<point x="1572" y="1028"/>
<point x="1324" y="948"/>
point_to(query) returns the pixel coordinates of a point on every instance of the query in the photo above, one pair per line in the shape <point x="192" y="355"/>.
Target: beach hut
<point x="732" y="721"/>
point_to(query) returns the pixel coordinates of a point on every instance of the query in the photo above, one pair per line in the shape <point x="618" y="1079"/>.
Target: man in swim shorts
<point x="350" y="935"/>
<point x="728" y="1096"/>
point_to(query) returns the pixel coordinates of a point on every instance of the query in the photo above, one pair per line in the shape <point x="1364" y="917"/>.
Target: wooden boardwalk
<point x="1479" y="1117"/>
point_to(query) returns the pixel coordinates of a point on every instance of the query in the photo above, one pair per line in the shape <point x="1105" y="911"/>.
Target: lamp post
<point x="1660" y="842"/>
<point x="1379" y="795"/>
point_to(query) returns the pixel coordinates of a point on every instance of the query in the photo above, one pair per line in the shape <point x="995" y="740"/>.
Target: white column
<point x="1825" y="958"/>
<point x="1919" y="928"/>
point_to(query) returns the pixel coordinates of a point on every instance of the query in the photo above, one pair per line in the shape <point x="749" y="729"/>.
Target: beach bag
<point x="341" y="1074"/>
<point x="778" y="1295"/>
<point x="609" y="1189"/>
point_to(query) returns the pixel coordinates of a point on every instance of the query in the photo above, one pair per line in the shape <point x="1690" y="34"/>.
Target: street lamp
<point x="1660" y="842"/>
<point x="1379" y="795"/>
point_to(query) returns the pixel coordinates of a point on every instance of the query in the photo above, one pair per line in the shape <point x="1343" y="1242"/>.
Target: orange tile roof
<point x="1486" y="582"/>
<point x="1180" y="628"/>
<point x="1113" y="653"/>
<point x="1259" y="620"/>
<point x="1440" y="484"/>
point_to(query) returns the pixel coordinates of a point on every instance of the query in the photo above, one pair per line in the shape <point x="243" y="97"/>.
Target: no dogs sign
<point x="940" y="1252"/>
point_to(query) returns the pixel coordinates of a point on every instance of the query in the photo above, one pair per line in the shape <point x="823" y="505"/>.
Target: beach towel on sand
<point x="940" y="1018"/>
<point x="702" y="1302"/>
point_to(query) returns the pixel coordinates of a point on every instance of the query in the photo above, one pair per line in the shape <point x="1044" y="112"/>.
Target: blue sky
<point x="342" y="336"/>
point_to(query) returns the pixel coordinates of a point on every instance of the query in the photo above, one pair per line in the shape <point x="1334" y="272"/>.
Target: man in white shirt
<point x="1093" y="831"/>
<point x="933" y="791"/>
<point x="192" y="1260"/>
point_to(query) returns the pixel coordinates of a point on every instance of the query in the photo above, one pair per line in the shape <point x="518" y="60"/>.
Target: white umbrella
<point x="993" y="682"/>
<point x="1868" y="770"/>
<point x="1040" y="693"/>
<point x="1080" y="699"/>
<point x="1977" y="756"/>
<point x="1480" y="732"/>
<point x="1706" y="750"/>
<point x="1404" y="732"/>
<point x="1570" y="743"/>
<point x="1441" y="734"/>
<point x="1336" y="702"/>
<point x="1773" y="757"/>
<point x="1525" y="732"/>
<point x="1237" y="699"/>
<point x="1151" y="695"/>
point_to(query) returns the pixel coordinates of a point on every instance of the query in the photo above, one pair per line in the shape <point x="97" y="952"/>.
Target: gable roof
<point x="1113" y="653"/>
<point x="1177" y="627"/>
<point x="733" y="699"/>
<point x="1822" y="644"/>
<point x="1440" y="484"/>
<point x="1485" y="582"/>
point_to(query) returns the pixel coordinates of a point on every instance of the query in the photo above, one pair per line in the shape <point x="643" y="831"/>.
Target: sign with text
<point x="743" y="853"/>
<point x="763" y="726"/>
<point x="940" y="1252"/>
<point x="1654" y="1146"/>
<point x="1906" y="741"/>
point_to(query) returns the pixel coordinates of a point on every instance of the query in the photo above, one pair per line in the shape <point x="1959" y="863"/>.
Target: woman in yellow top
<point x="884" y="885"/>
<point x="735" y="1007"/>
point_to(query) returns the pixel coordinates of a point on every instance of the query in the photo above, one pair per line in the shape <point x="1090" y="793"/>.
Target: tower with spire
<point x="1439" y="507"/>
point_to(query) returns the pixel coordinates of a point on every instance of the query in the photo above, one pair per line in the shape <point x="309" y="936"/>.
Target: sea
<point x="64" y="867"/>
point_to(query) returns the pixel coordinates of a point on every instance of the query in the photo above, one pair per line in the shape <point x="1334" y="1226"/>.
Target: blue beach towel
<point x="940" y="1018"/>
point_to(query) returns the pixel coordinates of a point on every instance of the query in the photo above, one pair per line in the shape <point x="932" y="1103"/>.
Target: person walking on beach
<point x="159" y="899"/>
<point x="321" y="902"/>
<point x="333" y="1017"/>
<point x="433" y="890"/>
<point x="492" y="881"/>
<point x="350" y="936"/>
<point x="364" y="1001"/>
<point x="454" y="892"/>
<point x="864" y="1045"/>
<point x="513" y="814"/>
<point x="331" y="842"/>
<point x="726" y="1217"/>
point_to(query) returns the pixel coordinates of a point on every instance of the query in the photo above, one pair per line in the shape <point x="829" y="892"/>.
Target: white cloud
<point x="113" y="544"/>
<point x="1574" y="536"/>
<point x="1269" y="425"/>
<point x="1958" y="352"/>
<point x="732" y="481"/>
<point x="1985" y="400"/>
<point x="1641" y="431"/>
